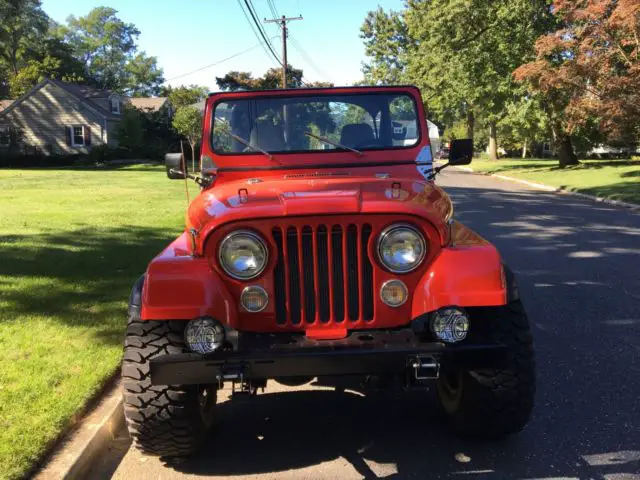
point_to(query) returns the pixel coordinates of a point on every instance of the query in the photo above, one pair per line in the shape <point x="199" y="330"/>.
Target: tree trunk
<point x="193" y="157"/>
<point x="470" y="123"/>
<point x="566" y="154"/>
<point x="524" y="149"/>
<point x="493" y="141"/>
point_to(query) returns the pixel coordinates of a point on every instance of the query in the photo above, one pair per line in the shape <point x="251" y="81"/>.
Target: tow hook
<point x="425" y="367"/>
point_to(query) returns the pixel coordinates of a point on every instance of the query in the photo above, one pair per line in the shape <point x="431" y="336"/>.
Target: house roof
<point x="5" y="104"/>
<point x="149" y="104"/>
<point x="82" y="92"/>
<point x="86" y="93"/>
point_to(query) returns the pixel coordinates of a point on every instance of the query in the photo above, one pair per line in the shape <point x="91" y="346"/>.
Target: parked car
<point x="443" y="153"/>
<point x="320" y="246"/>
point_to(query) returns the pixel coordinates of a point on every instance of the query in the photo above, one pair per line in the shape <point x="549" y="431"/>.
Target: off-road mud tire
<point x="163" y="420"/>
<point x="492" y="403"/>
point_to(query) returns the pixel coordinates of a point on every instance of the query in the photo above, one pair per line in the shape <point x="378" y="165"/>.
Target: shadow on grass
<point x="81" y="277"/>
<point x="625" y="191"/>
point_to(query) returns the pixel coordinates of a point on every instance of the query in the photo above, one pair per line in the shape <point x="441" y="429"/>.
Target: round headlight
<point x="401" y="248"/>
<point x="204" y="335"/>
<point x="243" y="255"/>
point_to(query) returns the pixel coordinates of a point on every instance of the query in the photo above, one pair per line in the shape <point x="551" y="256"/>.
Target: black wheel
<point x="164" y="420"/>
<point x="492" y="403"/>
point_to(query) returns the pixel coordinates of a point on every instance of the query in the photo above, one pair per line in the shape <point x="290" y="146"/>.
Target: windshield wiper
<point x="246" y="143"/>
<point x="335" y="144"/>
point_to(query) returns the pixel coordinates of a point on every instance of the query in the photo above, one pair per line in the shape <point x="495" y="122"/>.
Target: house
<point x="60" y="118"/>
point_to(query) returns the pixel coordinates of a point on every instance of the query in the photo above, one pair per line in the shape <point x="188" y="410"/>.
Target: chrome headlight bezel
<point x="259" y="242"/>
<point x="384" y="236"/>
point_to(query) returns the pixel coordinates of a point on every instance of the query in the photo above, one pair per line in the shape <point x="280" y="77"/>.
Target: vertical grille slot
<point x="308" y="258"/>
<point x="353" y="306"/>
<point x="280" y="280"/>
<point x="338" y="275"/>
<point x="323" y="274"/>
<point x="367" y="275"/>
<point x="294" y="275"/>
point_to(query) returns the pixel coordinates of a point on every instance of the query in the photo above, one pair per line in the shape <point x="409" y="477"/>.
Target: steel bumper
<point x="271" y="356"/>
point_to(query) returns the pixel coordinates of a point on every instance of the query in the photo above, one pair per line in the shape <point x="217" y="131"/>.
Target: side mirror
<point x="461" y="152"/>
<point x="174" y="165"/>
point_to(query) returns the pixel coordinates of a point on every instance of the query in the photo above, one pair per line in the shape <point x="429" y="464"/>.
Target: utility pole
<point x="283" y="25"/>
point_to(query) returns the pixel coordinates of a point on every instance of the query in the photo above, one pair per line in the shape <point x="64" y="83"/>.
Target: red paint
<point x="461" y="268"/>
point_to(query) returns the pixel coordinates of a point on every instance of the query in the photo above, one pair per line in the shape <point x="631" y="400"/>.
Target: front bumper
<point x="264" y="356"/>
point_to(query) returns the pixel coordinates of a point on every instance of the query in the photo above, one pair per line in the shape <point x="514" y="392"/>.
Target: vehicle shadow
<point x="576" y="263"/>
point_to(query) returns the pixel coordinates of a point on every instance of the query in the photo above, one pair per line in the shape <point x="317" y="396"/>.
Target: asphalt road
<point x="578" y="265"/>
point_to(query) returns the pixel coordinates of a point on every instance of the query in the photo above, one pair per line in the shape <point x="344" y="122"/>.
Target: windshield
<point x="355" y="122"/>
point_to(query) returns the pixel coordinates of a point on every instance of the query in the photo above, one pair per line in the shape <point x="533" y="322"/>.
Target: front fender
<point x="178" y="286"/>
<point x="466" y="276"/>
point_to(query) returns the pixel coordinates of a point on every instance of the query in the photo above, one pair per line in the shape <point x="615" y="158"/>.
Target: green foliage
<point x="271" y="79"/>
<point x="385" y="38"/>
<point x="188" y="122"/>
<point x="107" y="48"/>
<point x="130" y="129"/>
<point x="23" y="24"/>
<point x="184" y="95"/>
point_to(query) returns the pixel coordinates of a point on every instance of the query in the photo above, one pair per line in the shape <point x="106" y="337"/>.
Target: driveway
<point x="578" y="265"/>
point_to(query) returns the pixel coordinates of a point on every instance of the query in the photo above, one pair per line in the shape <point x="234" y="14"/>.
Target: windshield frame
<point x="335" y="92"/>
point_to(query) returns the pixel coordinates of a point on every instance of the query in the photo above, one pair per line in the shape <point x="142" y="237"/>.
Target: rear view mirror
<point x="461" y="152"/>
<point x="176" y="168"/>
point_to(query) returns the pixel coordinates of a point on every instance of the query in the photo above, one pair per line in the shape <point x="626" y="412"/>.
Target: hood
<point x="243" y="200"/>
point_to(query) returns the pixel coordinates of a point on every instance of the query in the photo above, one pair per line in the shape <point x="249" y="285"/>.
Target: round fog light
<point x="254" y="298"/>
<point x="204" y="335"/>
<point x="450" y="325"/>
<point x="394" y="293"/>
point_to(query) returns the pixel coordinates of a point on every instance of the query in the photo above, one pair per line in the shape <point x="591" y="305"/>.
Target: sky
<point x="191" y="34"/>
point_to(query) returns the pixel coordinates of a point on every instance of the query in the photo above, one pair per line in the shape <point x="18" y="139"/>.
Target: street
<point x="577" y="263"/>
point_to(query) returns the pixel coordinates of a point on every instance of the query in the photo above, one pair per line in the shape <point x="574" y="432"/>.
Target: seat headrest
<point x="354" y="134"/>
<point x="267" y="136"/>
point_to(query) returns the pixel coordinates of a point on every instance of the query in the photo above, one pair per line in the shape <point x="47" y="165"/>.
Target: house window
<point x="5" y="137"/>
<point x="77" y="136"/>
<point x="115" y="106"/>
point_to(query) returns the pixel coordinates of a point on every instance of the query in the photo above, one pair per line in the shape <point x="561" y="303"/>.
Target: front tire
<point x="492" y="403"/>
<point x="164" y="420"/>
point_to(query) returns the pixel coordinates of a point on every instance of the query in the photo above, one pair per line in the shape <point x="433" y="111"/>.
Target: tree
<point x="184" y="95"/>
<point x="23" y="23"/>
<point x="51" y="58"/>
<point x="385" y="38"/>
<point x="130" y="130"/>
<point x="143" y="77"/>
<point x="589" y="69"/>
<point x="270" y="80"/>
<point x="188" y="122"/>
<point x="107" y="48"/>
<point x="464" y="52"/>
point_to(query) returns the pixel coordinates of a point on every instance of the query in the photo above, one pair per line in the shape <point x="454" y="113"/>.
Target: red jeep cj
<point x="320" y="246"/>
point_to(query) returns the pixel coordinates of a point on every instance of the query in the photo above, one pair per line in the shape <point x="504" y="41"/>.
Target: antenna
<point x="184" y="170"/>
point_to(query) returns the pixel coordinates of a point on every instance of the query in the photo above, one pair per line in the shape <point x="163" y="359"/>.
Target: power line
<point x="309" y="60"/>
<point x="264" y="47"/>
<point x="216" y="63"/>
<point x="249" y="5"/>
<point x="272" y="7"/>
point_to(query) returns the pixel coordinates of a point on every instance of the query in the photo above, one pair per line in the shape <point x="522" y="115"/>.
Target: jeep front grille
<point x="323" y="274"/>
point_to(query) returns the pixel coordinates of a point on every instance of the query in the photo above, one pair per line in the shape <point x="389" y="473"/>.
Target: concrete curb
<point x="78" y="453"/>
<point x="548" y="188"/>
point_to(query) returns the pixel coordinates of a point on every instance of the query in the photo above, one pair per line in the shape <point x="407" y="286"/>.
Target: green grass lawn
<point x="614" y="179"/>
<point x="72" y="243"/>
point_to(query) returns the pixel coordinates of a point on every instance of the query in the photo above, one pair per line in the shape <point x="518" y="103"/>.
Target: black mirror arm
<point x="437" y="170"/>
<point x="202" y="181"/>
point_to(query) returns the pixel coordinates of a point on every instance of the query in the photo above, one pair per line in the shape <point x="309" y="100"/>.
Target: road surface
<point x="578" y="265"/>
